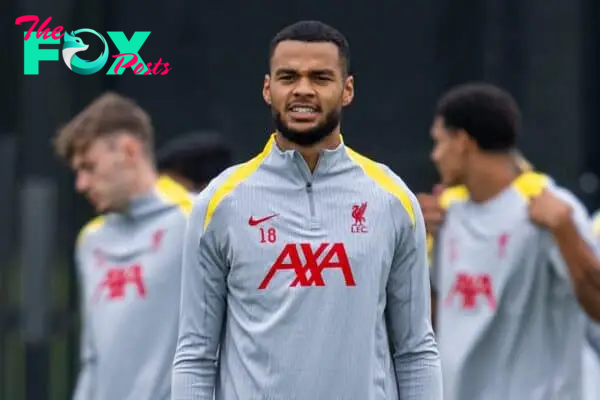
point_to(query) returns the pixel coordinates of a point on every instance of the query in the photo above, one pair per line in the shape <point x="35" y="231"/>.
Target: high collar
<point x="328" y="158"/>
<point x="148" y="203"/>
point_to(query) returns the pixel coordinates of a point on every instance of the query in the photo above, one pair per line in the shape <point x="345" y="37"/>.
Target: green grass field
<point x="14" y="359"/>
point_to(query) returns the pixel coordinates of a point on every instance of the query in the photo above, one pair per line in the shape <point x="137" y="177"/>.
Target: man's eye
<point x="87" y="167"/>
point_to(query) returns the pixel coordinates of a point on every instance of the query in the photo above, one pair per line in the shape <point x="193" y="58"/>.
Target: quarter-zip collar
<point x="327" y="158"/>
<point x="146" y="204"/>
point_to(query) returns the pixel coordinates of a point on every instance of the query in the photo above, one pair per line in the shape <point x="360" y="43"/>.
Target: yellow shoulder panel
<point x="240" y="174"/>
<point x="90" y="227"/>
<point x="375" y="172"/>
<point x="530" y="184"/>
<point x="174" y="193"/>
<point x="452" y="194"/>
<point x="448" y="196"/>
<point x="596" y="225"/>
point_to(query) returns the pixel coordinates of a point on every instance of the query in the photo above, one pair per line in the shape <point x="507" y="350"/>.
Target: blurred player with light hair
<point x="129" y="257"/>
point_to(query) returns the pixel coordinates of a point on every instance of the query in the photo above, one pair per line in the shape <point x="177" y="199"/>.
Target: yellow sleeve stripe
<point x="91" y="227"/>
<point x="174" y="193"/>
<point x="530" y="184"/>
<point x="375" y="172"/>
<point x="240" y="174"/>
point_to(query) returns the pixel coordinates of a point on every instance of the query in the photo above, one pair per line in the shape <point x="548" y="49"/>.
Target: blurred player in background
<point x="433" y="207"/>
<point x="194" y="159"/>
<point x="511" y="249"/>
<point x="302" y="265"/>
<point x="129" y="258"/>
<point x="434" y="204"/>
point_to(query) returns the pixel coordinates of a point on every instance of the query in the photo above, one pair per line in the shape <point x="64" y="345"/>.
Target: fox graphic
<point x="73" y="45"/>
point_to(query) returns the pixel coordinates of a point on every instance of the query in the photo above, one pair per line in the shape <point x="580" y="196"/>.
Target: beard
<point x="312" y="136"/>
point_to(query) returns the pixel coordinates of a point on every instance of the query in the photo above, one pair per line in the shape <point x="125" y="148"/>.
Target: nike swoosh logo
<point x="254" y="222"/>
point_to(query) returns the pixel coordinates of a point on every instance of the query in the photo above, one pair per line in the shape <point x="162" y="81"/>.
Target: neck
<point x="311" y="153"/>
<point x="492" y="174"/>
<point x="144" y="181"/>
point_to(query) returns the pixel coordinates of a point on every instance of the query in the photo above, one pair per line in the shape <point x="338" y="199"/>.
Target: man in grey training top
<point x="305" y="269"/>
<point x="513" y="261"/>
<point x="129" y="257"/>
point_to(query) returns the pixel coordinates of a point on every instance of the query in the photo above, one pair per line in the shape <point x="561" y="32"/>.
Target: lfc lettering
<point x="309" y="272"/>
<point x="358" y="214"/>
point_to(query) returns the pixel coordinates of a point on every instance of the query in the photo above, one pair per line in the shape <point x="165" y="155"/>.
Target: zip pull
<point x="313" y="222"/>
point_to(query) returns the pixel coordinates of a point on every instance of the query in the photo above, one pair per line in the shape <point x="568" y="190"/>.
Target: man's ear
<point x="348" y="92"/>
<point x="132" y="148"/>
<point x="267" y="89"/>
<point x="466" y="141"/>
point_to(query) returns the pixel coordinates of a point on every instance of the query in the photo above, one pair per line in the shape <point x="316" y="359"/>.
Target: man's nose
<point x="304" y="87"/>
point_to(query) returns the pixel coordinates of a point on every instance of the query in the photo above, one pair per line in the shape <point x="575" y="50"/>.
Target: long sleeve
<point x="414" y="348"/>
<point x="85" y="387"/>
<point x="593" y="336"/>
<point x="202" y="307"/>
<point x="86" y="378"/>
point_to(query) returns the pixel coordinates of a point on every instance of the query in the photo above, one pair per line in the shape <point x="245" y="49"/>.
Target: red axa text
<point x="117" y="279"/>
<point x="470" y="288"/>
<point x="308" y="263"/>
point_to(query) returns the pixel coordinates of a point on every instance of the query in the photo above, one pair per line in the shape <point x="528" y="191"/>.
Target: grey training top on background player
<point x="508" y="323"/>
<point x="129" y="268"/>
<point x="289" y="274"/>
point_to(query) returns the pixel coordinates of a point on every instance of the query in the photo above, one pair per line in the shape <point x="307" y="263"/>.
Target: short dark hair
<point x="488" y="114"/>
<point x="198" y="156"/>
<point x="314" y="32"/>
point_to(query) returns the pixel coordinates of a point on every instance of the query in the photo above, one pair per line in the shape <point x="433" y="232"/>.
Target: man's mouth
<point x="303" y="112"/>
